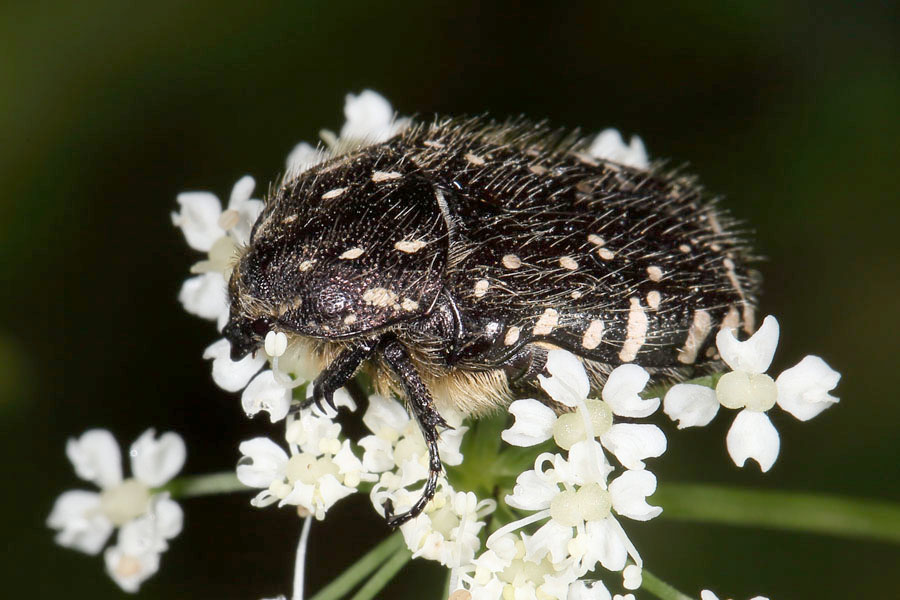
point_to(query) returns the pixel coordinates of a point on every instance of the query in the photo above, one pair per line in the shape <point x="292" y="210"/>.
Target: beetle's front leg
<point x="338" y="373"/>
<point x="428" y="418"/>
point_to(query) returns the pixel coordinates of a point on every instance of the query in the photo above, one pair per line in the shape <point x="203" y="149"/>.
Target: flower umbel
<point x="147" y="520"/>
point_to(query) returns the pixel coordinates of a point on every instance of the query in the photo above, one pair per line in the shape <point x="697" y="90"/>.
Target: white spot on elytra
<point x="379" y="176"/>
<point x="576" y="295"/>
<point x="635" y="331"/>
<point x="592" y="335"/>
<point x="696" y="335"/>
<point x="410" y="246"/>
<point x="379" y="296"/>
<point x="684" y="248"/>
<point x="546" y="322"/>
<point x="512" y="336"/>
<point x="409" y="305"/>
<point x="474" y="159"/>
<point x="511" y="261"/>
<point x="433" y="144"/>
<point x="606" y="253"/>
<point x="350" y="319"/>
<point x="653" y="299"/>
<point x="749" y="316"/>
<point x="596" y="239"/>
<point x="333" y="193"/>
<point x="289" y="219"/>
<point x="481" y="287"/>
<point x="306" y="265"/>
<point x="352" y="253"/>
<point x="537" y="169"/>
<point x="654" y="273"/>
<point x="567" y="262"/>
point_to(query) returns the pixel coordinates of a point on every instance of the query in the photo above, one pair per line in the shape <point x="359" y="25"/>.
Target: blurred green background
<point x="108" y="109"/>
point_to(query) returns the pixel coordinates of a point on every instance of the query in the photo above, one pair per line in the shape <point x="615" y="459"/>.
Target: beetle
<point x="448" y="260"/>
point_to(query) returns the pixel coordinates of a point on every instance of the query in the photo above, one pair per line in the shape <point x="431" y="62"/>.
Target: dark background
<point x="108" y="109"/>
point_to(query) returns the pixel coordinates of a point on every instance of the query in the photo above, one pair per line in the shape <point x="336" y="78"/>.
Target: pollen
<point x="329" y="195"/>
<point x="306" y="265"/>
<point x="511" y="261"/>
<point x="474" y="159"/>
<point x="380" y="176"/>
<point x="546" y="323"/>
<point x="481" y="287"/>
<point x="410" y="247"/>
<point x="567" y="262"/>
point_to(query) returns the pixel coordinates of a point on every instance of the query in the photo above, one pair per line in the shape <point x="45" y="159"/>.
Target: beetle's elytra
<point x="449" y="259"/>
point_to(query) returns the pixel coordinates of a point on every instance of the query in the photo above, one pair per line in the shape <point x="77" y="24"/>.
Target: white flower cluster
<point x="146" y="520"/>
<point x="801" y="390"/>
<point x="572" y="494"/>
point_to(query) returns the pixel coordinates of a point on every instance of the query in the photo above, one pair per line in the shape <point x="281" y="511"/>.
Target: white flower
<point x="708" y="595"/>
<point x="319" y="471"/>
<point x="266" y="393"/>
<point x="85" y="519"/>
<point x="230" y="375"/>
<point x="574" y="495"/>
<point x="801" y="390"/>
<point x="568" y="384"/>
<point x="609" y="145"/>
<point x="370" y="118"/>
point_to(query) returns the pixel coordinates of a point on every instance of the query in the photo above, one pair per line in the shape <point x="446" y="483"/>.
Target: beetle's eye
<point x="260" y="326"/>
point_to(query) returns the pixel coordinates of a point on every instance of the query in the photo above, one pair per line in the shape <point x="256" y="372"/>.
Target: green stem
<point x="817" y="513"/>
<point x="383" y="575"/>
<point x="212" y="484"/>
<point x="660" y="588"/>
<point x="362" y="568"/>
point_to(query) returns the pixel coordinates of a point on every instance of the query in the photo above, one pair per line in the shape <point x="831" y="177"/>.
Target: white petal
<point x="534" y="423"/>
<point x="691" y="405"/>
<point x="130" y="571"/>
<point x="606" y="544"/>
<point x="205" y="296"/>
<point x="587" y="464"/>
<point x="622" y="391"/>
<point x="369" y="117"/>
<point x="154" y="462"/>
<point x="803" y="389"/>
<point x="629" y="493"/>
<point x="580" y="591"/>
<point x="378" y="454"/>
<point x="609" y="145"/>
<point x="532" y="492"/>
<point x="199" y="219"/>
<point x="568" y="382"/>
<point x="264" y="393"/>
<point x="262" y="462"/>
<point x="752" y="435"/>
<point x="753" y="355"/>
<point x="168" y="516"/>
<point x="708" y="595"/>
<point x="449" y="443"/>
<point x="96" y="457"/>
<point x="331" y="490"/>
<point x="241" y="192"/>
<point x="76" y="514"/>
<point x="385" y="414"/>
<point x="301" y="158"/>
<point x="550" y="538"/>
<point x="229" y="375"/>
<point x="631" y="443"/>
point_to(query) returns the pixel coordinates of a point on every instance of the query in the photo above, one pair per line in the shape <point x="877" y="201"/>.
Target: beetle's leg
<point x="428" y="418"/>
<point x="338" y="373"/>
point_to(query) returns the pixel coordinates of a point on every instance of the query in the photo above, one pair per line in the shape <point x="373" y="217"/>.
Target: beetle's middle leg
<point x="338" y="373"/>
<point x="428" y="418"/>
